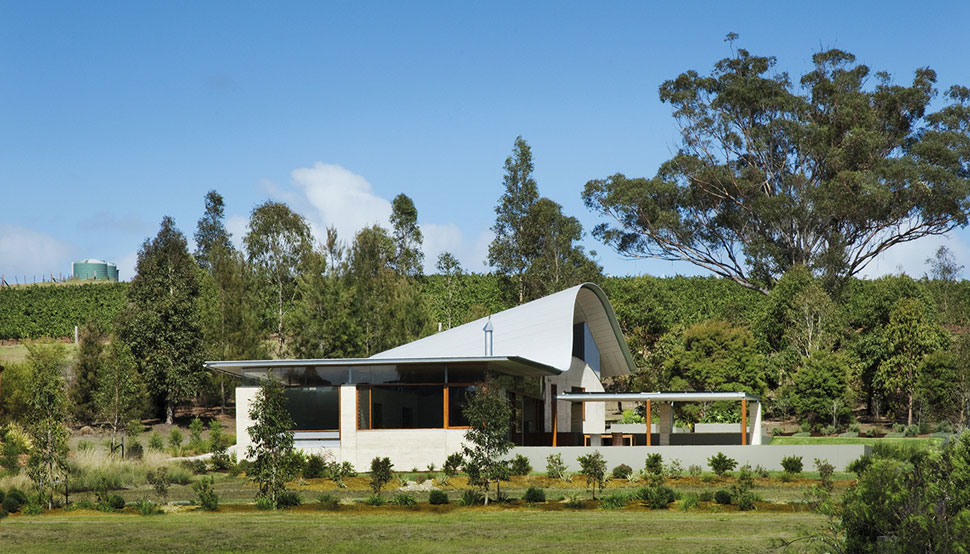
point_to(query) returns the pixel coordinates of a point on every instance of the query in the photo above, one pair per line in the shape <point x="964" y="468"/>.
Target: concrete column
<point x="348" y="425"/>
<point x="666" y="422"/>
<point x="244" y="399"/>
<point x="754" y="421"/>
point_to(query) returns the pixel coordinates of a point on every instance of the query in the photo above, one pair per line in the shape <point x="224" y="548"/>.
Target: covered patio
<point x="750" y="411"/>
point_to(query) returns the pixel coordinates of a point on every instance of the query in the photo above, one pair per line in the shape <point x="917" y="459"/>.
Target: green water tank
<point x="92" y="268"/>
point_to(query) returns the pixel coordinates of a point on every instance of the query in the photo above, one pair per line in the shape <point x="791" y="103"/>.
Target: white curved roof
<point x="541" y="331"/>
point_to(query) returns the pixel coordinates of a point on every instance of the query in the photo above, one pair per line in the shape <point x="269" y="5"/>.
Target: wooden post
<point x="744" y="421"/>
<point x="648" y="423"/>
<point x="555" y="415"/>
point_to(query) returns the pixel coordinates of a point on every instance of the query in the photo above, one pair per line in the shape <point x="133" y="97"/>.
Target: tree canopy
<point x="826" y="172"/>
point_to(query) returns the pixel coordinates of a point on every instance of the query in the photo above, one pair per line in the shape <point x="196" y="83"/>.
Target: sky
<point x="115" y="114"/>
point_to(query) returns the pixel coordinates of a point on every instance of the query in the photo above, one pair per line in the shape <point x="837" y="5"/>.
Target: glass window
<point x="466" y="374"/>
<point x="457" y="396"/>
<point x="314" y="408"/>
<point x="406" y="407"/>
<point x="400" y="374"/>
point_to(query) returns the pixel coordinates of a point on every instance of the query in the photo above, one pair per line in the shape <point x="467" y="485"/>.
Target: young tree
<point x="910" y="336"/>
<point x="489" y="413"/>
<point x="827" y="172"/>
<point x="450" y="267"/>
<point x="47" y="463"/>
<point x="211" y="231"/>
<point x="119" y="390"/>
<point x="161" y="322"/>
<point x="277" y="245"/>
<point x="593" y="468"/>
<point x="272" y="443"/>
<point x="945" y="271"/>
<point x="509" y="253"/>
<point x="408" y="258"/>
<point x="87" y="366"/>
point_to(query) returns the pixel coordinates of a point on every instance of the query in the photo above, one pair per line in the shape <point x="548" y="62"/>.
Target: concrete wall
<point x="244" y="399"/>
<point x="578" y="375"/>
<point x="767" y="456"/>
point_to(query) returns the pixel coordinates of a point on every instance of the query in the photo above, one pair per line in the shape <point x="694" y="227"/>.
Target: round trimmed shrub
<point x="622" y="471"/>
<point x="116" y="502"/>
<point x="722" y="496"/>
<point x="13" y="500"/>
<point x="534" y="495"/>
<point x="437" y="498"/>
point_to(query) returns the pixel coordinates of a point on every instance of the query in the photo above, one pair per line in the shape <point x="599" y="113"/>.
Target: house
<point x="406" y="403"/>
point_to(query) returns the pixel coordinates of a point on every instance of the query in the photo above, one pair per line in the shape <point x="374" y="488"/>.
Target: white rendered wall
<point x="244" y="399"/>
<point x="578" y="375"/>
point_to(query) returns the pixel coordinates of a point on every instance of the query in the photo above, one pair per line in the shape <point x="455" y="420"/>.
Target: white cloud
<point x="238" y="226"/>
<point x="25" y="252"/>
<point x="330" y="195"/>
<point x="910" y="257"/>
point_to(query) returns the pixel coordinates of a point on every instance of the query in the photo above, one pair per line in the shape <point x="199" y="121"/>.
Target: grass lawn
<point x="921" y="441"/>
<point x="17" y="353"/>
<point x="466" y="530"/>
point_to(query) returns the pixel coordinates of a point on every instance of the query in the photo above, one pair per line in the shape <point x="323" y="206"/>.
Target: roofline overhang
<point x="510" y="365"/>
<point x="689" y="396"/>
<point x="611" y="316"/>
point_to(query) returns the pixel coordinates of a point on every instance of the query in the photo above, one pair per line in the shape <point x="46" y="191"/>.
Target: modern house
<point x="406" y="403"/>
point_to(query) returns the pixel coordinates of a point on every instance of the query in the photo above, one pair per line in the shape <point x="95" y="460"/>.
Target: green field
<point x="481" y="530"/>
<point x="914" y="441"/>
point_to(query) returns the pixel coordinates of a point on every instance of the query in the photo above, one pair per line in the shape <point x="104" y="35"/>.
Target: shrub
<point x="208" y="499"/>
<point x="911" y="430"/>
<point x="825" y="473"/>
<point x="775" y="431"/>
<point x="148" y="507"/>
<point x="574" y="501"/>
<point x="438" y="498"/>
<point x="805" y="427"/>
<point x="792" y="464"/>
<point x="520" y="465"/>
<point x="328" y="502"/>
<point x="114" y="502"/>
<point x="314" y="467"/>
<point x="555" y="468"/>
<point x="861" y="465"/>
<point x="179" y="475"/>
<point x="197" y="467"/>
<point x="871" y="432"/>
<point x="924" y="427"/>
<point x="828" y="430"/>
<point x="657" y="497"/>
<point x="195" y="435"/>
<point x="471" y="498"/>
<point x="855" y="427"/>
<point x="134" y="450"/>
<point x="706" y="496"/>
<point x="689" y="501"/>
<point x="944" y="427"/>
<point x="14" y="500"/>
<point x="614" y="501"/>
<point x="722" y="496"/>
<point x="534" y="495"/>
<point x="898" y="427"/>
<point x="762" y="471"/>
<point x="622" y="471"/>
<point x="674" y="469"/>
<point x="175" y="440"/>
<point x="452" y="464"/>
<point x="721" y="464"/>
<point x="34" y="507"/>
<point x="694" y="470"/>
<point x="159" y="481"/>
<point x="155" y="441"/>
<point x="1" y="497"/>
<point x="404" y="499"/>
<point x="264" y="503"/>
<point x="744" y="500"/>
<point x="380" y="474"/>
<point x="654" y="464"/>
<point x="288" y="499"/>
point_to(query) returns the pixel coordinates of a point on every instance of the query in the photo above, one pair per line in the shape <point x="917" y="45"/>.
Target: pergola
<point x="750" y="411"/>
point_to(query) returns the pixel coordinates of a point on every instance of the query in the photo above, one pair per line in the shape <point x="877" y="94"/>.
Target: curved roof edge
<point x="540" y="330"/>
<point x="614" y="323"/>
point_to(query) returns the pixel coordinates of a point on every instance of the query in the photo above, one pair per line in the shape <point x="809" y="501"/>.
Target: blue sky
<point x="113" y="114"/>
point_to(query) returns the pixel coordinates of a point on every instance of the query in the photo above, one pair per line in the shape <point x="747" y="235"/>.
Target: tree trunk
<point x="169" y="412"/>
<point x="909" y="412"/>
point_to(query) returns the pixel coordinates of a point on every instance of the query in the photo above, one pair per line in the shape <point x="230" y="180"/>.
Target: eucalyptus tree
<point x="277" y="245"/>
<point x="408" y="258"/>
<point x="119" y="389"/>
<point x="509" y="252"/>
<point x="211" y="231"/>
<point x="827" y="172"/>
<point x="161" y="321"/>
<point x="272" y="444"/>
<point x="449" y="266"/>
<point x="487" y="439"/>
<point x="555" y="262"/>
